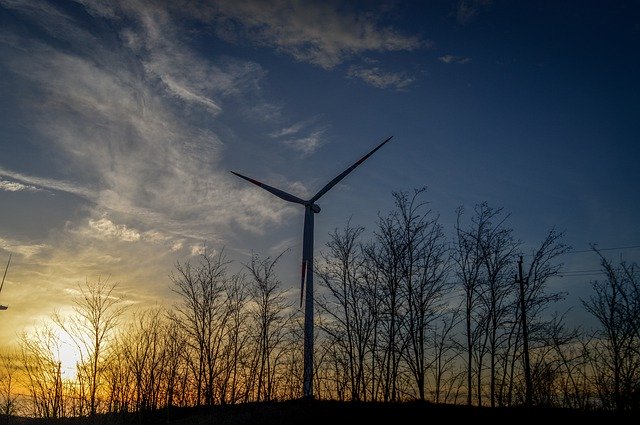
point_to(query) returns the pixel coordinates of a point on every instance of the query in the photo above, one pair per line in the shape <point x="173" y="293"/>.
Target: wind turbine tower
<point x="4" y="307"/>
<point x="306" y="284"/>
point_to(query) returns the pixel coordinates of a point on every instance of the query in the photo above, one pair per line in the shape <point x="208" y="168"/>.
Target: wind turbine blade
<point x="5" y="273"/>
<point x="345" y="172"/>
<point x="279" y="193"/>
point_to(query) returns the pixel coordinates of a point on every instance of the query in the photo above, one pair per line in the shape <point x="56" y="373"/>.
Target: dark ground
<point x="305" y="412"/>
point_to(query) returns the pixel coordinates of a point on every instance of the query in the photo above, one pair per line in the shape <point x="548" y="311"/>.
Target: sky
<point x="120" y="122"/>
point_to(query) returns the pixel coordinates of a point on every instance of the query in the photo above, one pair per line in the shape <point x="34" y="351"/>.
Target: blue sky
<point x="120" y="122"/>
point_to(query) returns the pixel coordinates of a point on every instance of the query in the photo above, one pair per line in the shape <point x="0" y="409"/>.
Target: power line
<point x="603" y="249"/>
<point x="582" y="251"/>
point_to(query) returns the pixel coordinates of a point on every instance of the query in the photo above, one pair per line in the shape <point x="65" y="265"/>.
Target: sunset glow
<point x="121" y="123"/>
<point x="67" y="354"/>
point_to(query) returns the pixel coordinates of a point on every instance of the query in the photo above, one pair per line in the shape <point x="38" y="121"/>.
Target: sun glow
<point x="66" y="353"/>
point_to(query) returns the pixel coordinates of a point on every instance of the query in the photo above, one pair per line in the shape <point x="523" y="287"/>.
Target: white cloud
<point x="36" y="183"/>
<point x="21" y="248"/>
<point x="454" y="59"/>
<point x="188" y="95"/>
<point x="381" y="79"/>
<point x="316" y="32"/>
<point x="287" y="131"/>
<point x="285" y="245"/>
<point x="12" y="186"/>
<point x="467" y="10"/>
<point x="293" y="137"/>
<point x="134" y="148"/>
<point x="305" y="145"/>
<point x="198" y="249"/>
<point x="106" y="228"/>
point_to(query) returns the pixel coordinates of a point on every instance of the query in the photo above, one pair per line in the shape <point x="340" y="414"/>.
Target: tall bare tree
<point x="499" y="250"/>
<point x="350" y="322"/>
<point x="234" y="385"/>
<point x="485" y="252"/>
<point x="543" y="265"/>
<point x="469" y="260"/>
<point x="97" y="314"/>
<point x="40" y="354"/>
<point x="8" y="382"/>
<point x="202" y="314"/>
<point x="385" y="256"/>
<point x="616" y="306"/>
<point x="271" y="321"/>
<point x="424" y="262"/>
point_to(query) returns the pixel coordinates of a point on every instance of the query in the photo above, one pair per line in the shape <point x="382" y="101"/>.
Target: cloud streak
<point x="381" y="79"/>
<point x="34" y="183"/>
<point x="467" y="10"/>
<point x="449" y="59"/>
<point x="314" y="32"/>
<point x="12" y="186"/>
<point x="303" y="137"/>
<point x="21" y="248"/>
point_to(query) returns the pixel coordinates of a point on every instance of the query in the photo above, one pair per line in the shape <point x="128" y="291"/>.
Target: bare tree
<point x="374" y="297"/>
<point x="97" y="314"/>
<point x="202" y="315"/>
<point x="350" y="323"/>
<point x="485" y="251"/>
<point x="616" y="306"/>
<point x="468" y="258"/>
<point x="118" y="377"/>
<point x="424" y="263"/>
<point x="499" y="249"/>
<point x="271" y="321"/>
<point x="233" y="386"/>
<point x="177" y="373"/>
<point x="8" y="380"/>
<point x="40" y="351"/>
<point x="384" y="256"/>
<point x="544" y="265"/>
<point x="143" y="346"/>
<point x="446" y="354"/>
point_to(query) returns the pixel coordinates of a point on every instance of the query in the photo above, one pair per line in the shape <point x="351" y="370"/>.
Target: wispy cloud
<point x="304" y="137"/>
<point x="454" y="59"/>
<point x="25" y="182"/>
<point x="21" y="248"/>
<point x="133" y="141"/>
<point x="133" y="122"/>
<point x="381" y="79"/>
<point x="288" y="131"/>
<point x="467" y="10"/>
<point x="317" y="32"/>
<point x="13" y="186"/>
<point x="106" y="228"/>
<point x="305" y="145"/>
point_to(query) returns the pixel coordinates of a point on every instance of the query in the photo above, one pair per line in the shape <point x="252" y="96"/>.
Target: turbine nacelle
<point x="315" y="208"/>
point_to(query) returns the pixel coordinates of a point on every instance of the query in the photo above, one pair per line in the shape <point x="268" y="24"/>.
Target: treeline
<point x="404" y="313"/>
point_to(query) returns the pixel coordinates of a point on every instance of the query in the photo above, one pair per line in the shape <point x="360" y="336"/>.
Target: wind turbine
<point x="310" y="208"/>
<point x="4" y="307"/>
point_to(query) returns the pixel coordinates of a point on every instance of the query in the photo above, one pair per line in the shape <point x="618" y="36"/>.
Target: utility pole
<point x="525" y="336"/>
